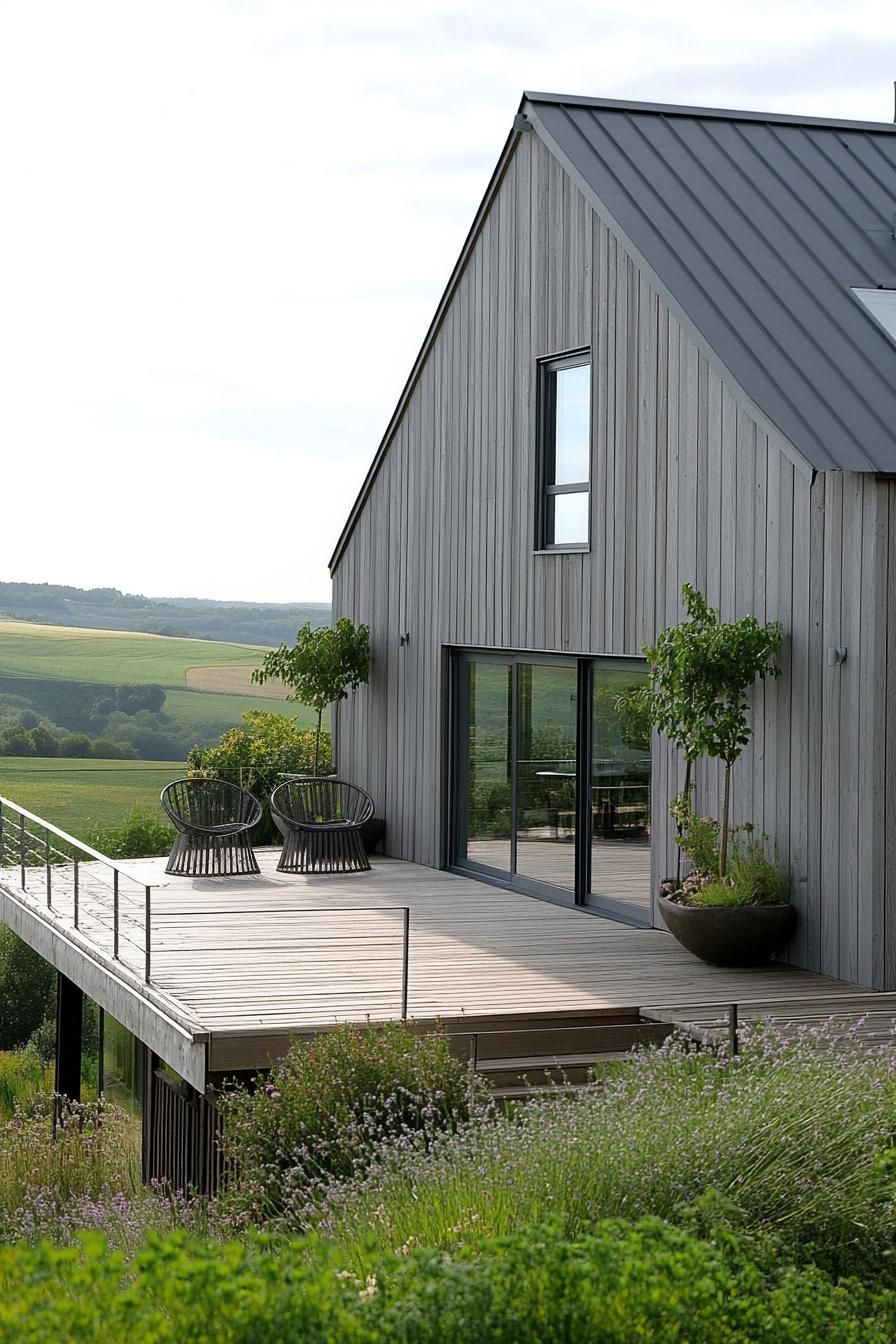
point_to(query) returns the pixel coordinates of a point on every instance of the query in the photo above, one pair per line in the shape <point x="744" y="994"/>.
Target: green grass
<point x="119" y="658"/>
<point x="207" y="707"/>
<point x="112" y="657"/>
<point x="72" y="793"/>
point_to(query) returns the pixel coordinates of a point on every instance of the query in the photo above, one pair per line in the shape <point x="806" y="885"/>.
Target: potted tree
<point x="730" y="908"/>
<point x="320" y="669"/>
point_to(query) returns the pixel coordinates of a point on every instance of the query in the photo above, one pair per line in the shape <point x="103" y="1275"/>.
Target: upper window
<point x="564" y="452"/>
<point x="881" y="304"/>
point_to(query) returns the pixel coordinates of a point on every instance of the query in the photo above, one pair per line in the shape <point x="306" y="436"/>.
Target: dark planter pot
<point x="372" y="832"/>
<point x="739" y="935"/>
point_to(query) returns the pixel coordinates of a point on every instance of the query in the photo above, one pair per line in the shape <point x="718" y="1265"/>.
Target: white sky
<point x="225" y="227"/>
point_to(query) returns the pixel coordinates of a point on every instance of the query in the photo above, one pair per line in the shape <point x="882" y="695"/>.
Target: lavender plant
<point x="329" y="1108"/>
<point x="792" y="1133"/>
<point x="87" y="1177"/>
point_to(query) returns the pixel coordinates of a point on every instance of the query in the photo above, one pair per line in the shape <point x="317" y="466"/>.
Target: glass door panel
<point x="546" y="774"/>
<point x="620" y="793"/>
<point x="486" y="760"/>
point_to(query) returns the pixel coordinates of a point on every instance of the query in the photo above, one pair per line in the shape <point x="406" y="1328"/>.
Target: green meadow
<point x="207" y="684"/>
<point x="73" y="793"/>
<point x="113" y="657"/>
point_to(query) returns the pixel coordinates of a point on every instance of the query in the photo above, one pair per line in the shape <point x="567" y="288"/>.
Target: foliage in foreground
<point x="624" y="1282"/>
<point x="329" y="1106"/>
<point x="794" y="1134"/>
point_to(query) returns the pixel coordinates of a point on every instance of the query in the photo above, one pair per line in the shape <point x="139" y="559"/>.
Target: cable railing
<point x="101" y="898"/>
<point x="111" y="905"/>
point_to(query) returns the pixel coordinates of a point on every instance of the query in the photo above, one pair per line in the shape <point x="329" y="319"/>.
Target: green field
<point x="71" y="793"/>
<point x="116" y="658"/>
<point x="112" y="657"/>
<point x="206" y="707"/>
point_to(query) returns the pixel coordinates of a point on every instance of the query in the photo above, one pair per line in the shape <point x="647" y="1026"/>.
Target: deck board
<point x="282" y="952"/>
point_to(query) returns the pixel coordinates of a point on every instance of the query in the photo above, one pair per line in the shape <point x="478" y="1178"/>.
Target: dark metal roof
<point x="756" y="228"/>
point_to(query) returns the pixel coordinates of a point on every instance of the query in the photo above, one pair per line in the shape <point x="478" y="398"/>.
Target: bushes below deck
<point x="793" y="1134"/>
<point x="329" y="1108"/>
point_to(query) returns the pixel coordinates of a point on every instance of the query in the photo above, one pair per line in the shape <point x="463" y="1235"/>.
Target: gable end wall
<point x="686" y="487"/>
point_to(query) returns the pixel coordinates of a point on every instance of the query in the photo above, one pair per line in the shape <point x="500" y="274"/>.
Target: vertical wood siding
<point x="686" y="487"/>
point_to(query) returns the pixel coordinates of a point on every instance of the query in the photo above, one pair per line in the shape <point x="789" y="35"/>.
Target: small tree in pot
<point x="321" y="668"/>
<point x="700" y="673"/>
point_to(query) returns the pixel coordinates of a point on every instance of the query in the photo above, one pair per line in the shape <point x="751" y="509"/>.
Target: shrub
<point x="140" y="835"/>
<point x="23" y="1074"/>
<point x="44" y="1178"/>
<point x="28" y="988"/>
<point x="328" y="1109"/>
<point x="626" y="1282"/>
<point x="791" y="1132"/>
<point x="258" y="755"/>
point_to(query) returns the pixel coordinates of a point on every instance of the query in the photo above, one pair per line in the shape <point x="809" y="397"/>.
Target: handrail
<point x="70" y="839"/>
<point x="19" y="845"/>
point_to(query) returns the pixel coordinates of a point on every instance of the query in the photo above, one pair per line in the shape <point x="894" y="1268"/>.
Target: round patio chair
<point x="321" y="820"/>
<point x="213" y="819"/>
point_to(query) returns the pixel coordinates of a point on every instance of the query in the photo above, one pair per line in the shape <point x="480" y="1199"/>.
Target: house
<point x="666" y="354"/>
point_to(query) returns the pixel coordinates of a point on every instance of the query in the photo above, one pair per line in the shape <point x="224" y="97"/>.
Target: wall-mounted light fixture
<point x="836" y="656"/>
<point x="405" y="639"/>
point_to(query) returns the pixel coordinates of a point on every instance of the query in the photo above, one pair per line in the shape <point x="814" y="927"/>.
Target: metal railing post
<point x="22" y="850"/>
<point x="49" y="874"/>
<point x="115" y="913"/>
<point x="404" y="962"/>
<point x="147" y="909"/>
<point x="75" y="891"/>
<point x="732" y="1031"/>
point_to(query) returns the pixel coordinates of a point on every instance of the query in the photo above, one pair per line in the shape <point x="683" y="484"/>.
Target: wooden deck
<point x="241" y="964"/>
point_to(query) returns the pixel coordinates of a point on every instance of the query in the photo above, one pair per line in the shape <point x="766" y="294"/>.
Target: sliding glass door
<point x="551" y="778"/>
<point x="620" y="792"/>
<point x="484" y="792"/>
<point x="545" y="774"/>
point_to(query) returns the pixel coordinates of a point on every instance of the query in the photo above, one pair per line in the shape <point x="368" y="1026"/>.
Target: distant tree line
<point x="50" y="717"/>
<point x="196" y="618"/>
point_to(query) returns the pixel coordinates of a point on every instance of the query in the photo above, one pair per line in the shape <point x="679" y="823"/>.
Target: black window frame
<point x="545" y="449"/>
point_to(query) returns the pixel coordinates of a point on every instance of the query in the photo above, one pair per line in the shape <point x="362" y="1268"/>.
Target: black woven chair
<point x="213" y="820"/>
<point x="321" y="820"/>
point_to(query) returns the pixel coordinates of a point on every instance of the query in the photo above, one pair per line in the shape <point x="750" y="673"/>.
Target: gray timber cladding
<point x="758" y="228"/>
<point x="689" y="483"/>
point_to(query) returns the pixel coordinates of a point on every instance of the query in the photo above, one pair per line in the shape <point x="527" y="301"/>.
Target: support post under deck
<point x="69" y="1019"/>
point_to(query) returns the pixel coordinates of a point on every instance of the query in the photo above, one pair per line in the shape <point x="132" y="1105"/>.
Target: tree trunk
<point x="320" y="714"/>
<point x="687" y="790"/>
<point x="723" y="827"/>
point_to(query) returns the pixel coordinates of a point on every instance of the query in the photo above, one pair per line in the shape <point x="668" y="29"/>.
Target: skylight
<point x="881" y="304"/>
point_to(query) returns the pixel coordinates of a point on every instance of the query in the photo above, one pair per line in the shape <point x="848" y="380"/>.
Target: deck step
<point x="530" y="1056"/>
<point x="551" y="1039"/>
<point x="535" y="1070"/>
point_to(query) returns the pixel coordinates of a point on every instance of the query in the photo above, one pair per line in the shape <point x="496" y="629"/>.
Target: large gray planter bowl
<point x="736" y="935"/>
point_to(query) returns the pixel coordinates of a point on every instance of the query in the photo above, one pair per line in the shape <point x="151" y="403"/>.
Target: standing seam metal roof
<point x="757" y="228"/>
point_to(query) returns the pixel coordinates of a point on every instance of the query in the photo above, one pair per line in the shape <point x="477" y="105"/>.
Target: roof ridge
<point x="726" y="114"/>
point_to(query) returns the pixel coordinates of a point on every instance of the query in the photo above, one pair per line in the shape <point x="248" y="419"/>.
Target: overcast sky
<point x="225" y="226"/>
